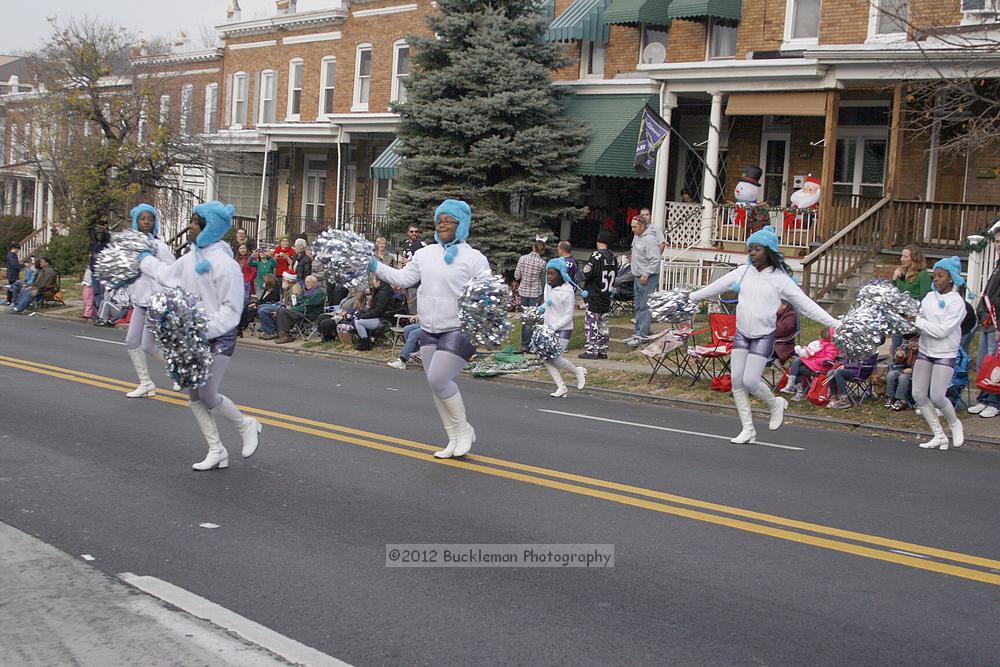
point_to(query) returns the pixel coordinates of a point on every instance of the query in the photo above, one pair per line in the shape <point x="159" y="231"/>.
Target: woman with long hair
<point x="761" y="285"/>
<point x="910" y="277"/>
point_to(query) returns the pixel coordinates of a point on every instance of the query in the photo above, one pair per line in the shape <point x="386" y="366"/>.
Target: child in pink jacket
<point x="815" y="357"/>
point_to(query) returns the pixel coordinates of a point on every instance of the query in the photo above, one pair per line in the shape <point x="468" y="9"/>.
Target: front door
<point x="774" y="157"/>
<point x="314" y="193"/>
<point x="946" y="221"/>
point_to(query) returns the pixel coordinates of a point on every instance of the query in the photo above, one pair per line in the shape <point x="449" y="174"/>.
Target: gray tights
<point x="441" y="368"/>
<point x="208" y="393"/>
<point x="930" y="384"/>
<point x="561" y="361"/>
<point x="747" y="370"/>
<point x="139" y="334"/>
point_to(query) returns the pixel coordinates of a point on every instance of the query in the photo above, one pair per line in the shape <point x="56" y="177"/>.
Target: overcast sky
<point x="24" y="27"/>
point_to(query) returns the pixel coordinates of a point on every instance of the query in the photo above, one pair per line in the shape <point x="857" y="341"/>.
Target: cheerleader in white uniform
<point x="560" y="298"/>
<point x="761" y="285"/>
<point x="443" y="269"/>
<point x="210" y="272"/>
<point x="940" y="327"/>
<point x="139" y="341"/>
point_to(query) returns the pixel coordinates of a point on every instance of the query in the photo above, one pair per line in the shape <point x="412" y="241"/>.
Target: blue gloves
<point x="373" y="264"/>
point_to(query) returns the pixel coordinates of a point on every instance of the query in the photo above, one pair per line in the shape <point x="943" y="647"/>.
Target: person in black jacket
<point x="303" y="262"/>
<point x="598" y="279"/>
<point x="14" y="267"/>
<point x="382" y="302"/>
<point x="987" y="404"/>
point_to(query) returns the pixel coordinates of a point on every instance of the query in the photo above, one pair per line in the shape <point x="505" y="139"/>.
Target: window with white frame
<point x="267" y="102"/>
<point x="979" y="11"/>
<point x="240" y="190"/>
<point x="238" y="111"/>
<point x="211" y="108"/>
<point x="164" y="118"/>
<point x="314" y="188"/>
<point x="294" y="89"/>
<point x="26" y="142"/>
<point x="860" y="163"/>
<point x="802" y="21"/>
<point x="400" y="70"/>
<point x="888" y="18"/>
<point x="327" y="84"/>
<point x="721" y="39"/>
<point x="362" y="77"/>
<point x="187" y="108"/>
<point x="591" y="60"/>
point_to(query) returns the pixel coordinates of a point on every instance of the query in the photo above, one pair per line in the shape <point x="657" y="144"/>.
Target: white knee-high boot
<point x="940" y="440"/>
<point x="776" y="404"/>
<point x="217" y="456"/>
<point x="248" y="427"/>
<point x="748" y="435"/>
<point x="146" y="386"/>
<point x="954" y="425"/>
<point x="465" y="435"/>
<point x="449" y="428"/>
<point x="557" y="378"/>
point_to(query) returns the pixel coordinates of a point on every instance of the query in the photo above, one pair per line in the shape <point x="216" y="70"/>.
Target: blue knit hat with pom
<point x="218" y="218"/>
<point x="141" y="208"/>
<point x="460" y="211"/>
<point x="767" y="238"/>
<point x="560" y="265"/>
<point x="953" y="265"/>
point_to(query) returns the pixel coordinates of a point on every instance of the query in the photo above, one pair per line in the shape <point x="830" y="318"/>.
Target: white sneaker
<point x="397" y="363"/>
<point x="977" y="408"/>
<point x="990" y="411"/>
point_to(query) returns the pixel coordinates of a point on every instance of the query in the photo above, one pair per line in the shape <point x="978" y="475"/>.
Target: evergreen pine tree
<point x="483" y="123"/>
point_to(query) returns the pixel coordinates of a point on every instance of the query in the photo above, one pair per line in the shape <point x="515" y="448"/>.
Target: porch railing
<point x="936" y="224"/>
<point x="33" y="241"/>
<point x="693" y="275"/>
<point x="845" y="209"/>
<point x="848" y="250"/>
<point x="797" y="228"/>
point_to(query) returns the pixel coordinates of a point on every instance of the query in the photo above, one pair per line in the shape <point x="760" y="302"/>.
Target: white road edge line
<point x="100" y="340"/>
<point x="664" y="428"/>
<point x="255" y="633"/>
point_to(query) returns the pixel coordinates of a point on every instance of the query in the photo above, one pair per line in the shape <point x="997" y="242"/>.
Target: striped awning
<point x="581" y="21"/>
<point x="386" y="165"/>
<point x="613" y="121"/>
<point x="729" y="10"/>
<point x="631" y="12"/>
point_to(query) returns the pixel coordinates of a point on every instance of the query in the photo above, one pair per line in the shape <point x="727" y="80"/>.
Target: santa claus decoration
<point x="749" y="213"/>
<point x="804" y="204"/>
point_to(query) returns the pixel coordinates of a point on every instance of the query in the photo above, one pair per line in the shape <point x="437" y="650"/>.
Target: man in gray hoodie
<point x="646" y="270"/>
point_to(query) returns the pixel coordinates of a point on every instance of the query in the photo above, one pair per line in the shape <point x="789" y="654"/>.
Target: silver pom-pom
<point x="861" y="332"/>
<point x="545" y="342"/>
<point x="118" y="264"/>
<point x="345" y="256"/>
<point x="888" y="298"/>
<point x="482" y="311"/>
<point x="532" y="315"/>
<point x="673" y="306"/>
<point x="179" y="323"/>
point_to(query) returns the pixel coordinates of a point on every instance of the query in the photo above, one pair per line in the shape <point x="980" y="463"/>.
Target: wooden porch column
<point x="829" y="163"/>
<point x="895" y="144"/>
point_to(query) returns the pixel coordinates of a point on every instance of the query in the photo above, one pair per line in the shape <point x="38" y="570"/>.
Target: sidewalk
<point x="58" y="610"/>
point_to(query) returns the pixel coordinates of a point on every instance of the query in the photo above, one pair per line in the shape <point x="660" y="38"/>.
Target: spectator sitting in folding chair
<point x="307" y="307"/>
<point x="786" y="330"/>
<point x="816" y="357"/>
<point x="959" y="380"/>
<point x="899" y="379"/>
<point x="851" y="371"/>
<point x="114" y="307"/>
<point x="383" y="303"/>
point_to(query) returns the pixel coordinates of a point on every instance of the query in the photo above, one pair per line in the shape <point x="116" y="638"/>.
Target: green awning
<point x="730" y="10"/>
<point x="386" y="165"/>
<point x="614" y="130"/>
<point x="628" y="12"/>
<point x="580" y="21"/>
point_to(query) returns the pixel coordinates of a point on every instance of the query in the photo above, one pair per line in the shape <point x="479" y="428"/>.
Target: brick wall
<point x="687" y="41"/>
<point x="761" y="27"/>
<point x="622" y="53"/>
<point x="170" y="79"/>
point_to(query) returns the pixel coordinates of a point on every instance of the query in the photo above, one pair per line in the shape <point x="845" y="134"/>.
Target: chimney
<point x="140" y="48"/>
<point x="233" y="12"/>
<point x="181" y="42"/>
<point x="285" y="7"/>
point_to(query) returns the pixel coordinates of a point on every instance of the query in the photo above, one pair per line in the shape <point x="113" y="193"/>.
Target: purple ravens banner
<point x="652" y="132"/>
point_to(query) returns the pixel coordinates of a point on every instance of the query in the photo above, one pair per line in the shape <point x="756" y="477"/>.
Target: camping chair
<point x="306" y="328"/>
<point x="52" y="295"/>
<point x="665" y="350"/>
<point x="960" y="382"/>
<point x="860" y="386"/>
<point x="716" y="354"/>
<point x="396" y="333"/>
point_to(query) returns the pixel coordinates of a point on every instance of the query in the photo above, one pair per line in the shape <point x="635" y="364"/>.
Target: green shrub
<point x="13" y="228"/>
<point x="69" y="253"/>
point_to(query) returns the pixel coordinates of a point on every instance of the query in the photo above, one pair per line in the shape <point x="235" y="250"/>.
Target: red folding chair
<point x="715" y="354"/>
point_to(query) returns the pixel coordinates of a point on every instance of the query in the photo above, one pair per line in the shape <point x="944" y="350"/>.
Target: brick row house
<point x="296" y="109"/>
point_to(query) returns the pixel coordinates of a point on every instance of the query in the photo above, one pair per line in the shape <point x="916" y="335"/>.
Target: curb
<point x="607" y="393"/>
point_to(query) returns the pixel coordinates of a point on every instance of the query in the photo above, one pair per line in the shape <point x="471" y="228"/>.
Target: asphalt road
<point x="723" y="554"/>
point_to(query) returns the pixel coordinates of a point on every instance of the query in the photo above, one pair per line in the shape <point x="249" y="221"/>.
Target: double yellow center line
<point x="942" y="561"/>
